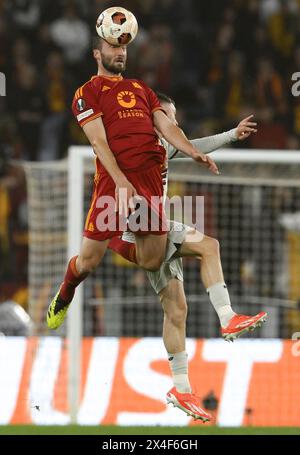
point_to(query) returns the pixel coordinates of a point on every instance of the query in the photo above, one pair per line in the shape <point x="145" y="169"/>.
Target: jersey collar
<point x="110" y="78"/>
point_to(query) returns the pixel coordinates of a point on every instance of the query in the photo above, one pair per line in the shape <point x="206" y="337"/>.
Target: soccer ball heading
<point x="117" y="26"/>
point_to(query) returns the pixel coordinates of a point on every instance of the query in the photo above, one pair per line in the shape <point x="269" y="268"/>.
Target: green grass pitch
<point x="171" y="431"/>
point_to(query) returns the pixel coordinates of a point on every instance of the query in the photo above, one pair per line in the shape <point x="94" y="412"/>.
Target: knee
<point x="177" y="315"/>
<point x="209" y="247"/>
<point x="152" y="264"/>
<point x="213" y="246"/>
<point x="87" y="264"/>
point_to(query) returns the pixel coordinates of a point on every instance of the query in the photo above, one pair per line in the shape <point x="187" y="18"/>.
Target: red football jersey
<point x="126" y="107"/>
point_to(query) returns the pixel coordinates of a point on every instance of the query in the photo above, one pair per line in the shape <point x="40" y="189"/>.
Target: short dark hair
<point x="164" y="98"/>
<point x="96" y="42"/>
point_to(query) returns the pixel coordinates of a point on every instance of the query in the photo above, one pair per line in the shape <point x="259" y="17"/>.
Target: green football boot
<point x="57" y="312"/>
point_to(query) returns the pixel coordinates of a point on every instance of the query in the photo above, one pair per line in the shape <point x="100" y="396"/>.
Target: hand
<point x="206" y="161"/>
<point x="124" y="194"/>
<point x="245" y="128"/>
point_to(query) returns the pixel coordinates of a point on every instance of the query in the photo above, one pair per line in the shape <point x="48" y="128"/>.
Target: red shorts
<point x="103" y="222"/>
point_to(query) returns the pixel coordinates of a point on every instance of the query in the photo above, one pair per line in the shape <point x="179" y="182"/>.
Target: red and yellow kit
<point x="126" y="107"/>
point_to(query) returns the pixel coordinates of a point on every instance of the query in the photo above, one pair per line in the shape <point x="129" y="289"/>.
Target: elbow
<point x="95" y="144"/>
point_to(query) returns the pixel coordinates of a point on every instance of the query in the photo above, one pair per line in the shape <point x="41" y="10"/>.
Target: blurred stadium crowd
<point x="220" y="61"/>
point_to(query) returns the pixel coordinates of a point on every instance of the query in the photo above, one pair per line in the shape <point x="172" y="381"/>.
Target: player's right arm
<point x="95" y="132"/>
<point x="86" y="107"/>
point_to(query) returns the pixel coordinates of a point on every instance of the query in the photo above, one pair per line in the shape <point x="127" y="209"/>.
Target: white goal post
<point x="76" y="157"/>
<point x="75" y="224"/>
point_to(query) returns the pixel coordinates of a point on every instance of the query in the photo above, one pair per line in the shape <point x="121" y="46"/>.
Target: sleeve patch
<point x="80" y="104"/>
<point x="84" y="114"/>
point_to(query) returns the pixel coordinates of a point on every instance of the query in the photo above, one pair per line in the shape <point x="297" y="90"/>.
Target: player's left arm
<point x="210" y="143"/>
<point x="177" y="138"/>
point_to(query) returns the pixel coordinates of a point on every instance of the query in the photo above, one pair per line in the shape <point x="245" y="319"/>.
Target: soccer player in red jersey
<point x="118" y="117"/>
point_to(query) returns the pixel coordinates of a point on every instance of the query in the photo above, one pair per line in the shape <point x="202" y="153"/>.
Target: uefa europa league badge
<point x="81" y="104"/>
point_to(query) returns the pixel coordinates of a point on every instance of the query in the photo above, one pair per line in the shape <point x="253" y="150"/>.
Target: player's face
<point x="113" y="58"/>
<point x="170" y="110"/>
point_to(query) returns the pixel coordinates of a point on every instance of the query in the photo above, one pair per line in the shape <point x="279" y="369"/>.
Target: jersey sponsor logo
<point x="131" y="113"/>
<point x="105" y="88"/>
<point x="80" y="104"/>
<point x="126" y="99"/>
<point x="84" y="114"/>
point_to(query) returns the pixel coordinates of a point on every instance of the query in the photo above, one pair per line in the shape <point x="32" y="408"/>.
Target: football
<point x="117" y="26"/>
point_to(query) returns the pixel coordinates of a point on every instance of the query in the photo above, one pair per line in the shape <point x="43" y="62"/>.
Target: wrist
<point x="120" y="179"/>
<point x="194" y="154"/>
<point x="191" y="152"/>
<point x="233" y="134"/>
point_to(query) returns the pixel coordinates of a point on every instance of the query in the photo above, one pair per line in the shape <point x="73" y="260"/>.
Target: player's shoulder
<point x="138" y="83"/>
<point x="87" y="88"/>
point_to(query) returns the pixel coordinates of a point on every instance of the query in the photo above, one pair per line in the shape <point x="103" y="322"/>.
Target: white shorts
<point x="171" y="267"/>
<point x="168" y="270"/>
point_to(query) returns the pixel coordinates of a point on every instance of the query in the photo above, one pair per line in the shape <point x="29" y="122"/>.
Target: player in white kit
<point x="167" y="282"/>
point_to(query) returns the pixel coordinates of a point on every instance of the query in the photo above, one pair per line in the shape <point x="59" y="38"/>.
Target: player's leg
<point x="186" y="241"/>
<point x="150" y="251"/>
<point x="168" y="284"/>
<point x="197" y="244"/>
<point x="208" y="250"/>
<point x="174" y="305"/>
<point x="146" y="251"/>
<point x="78" y="269"/>
<point x="93" y="247"/>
